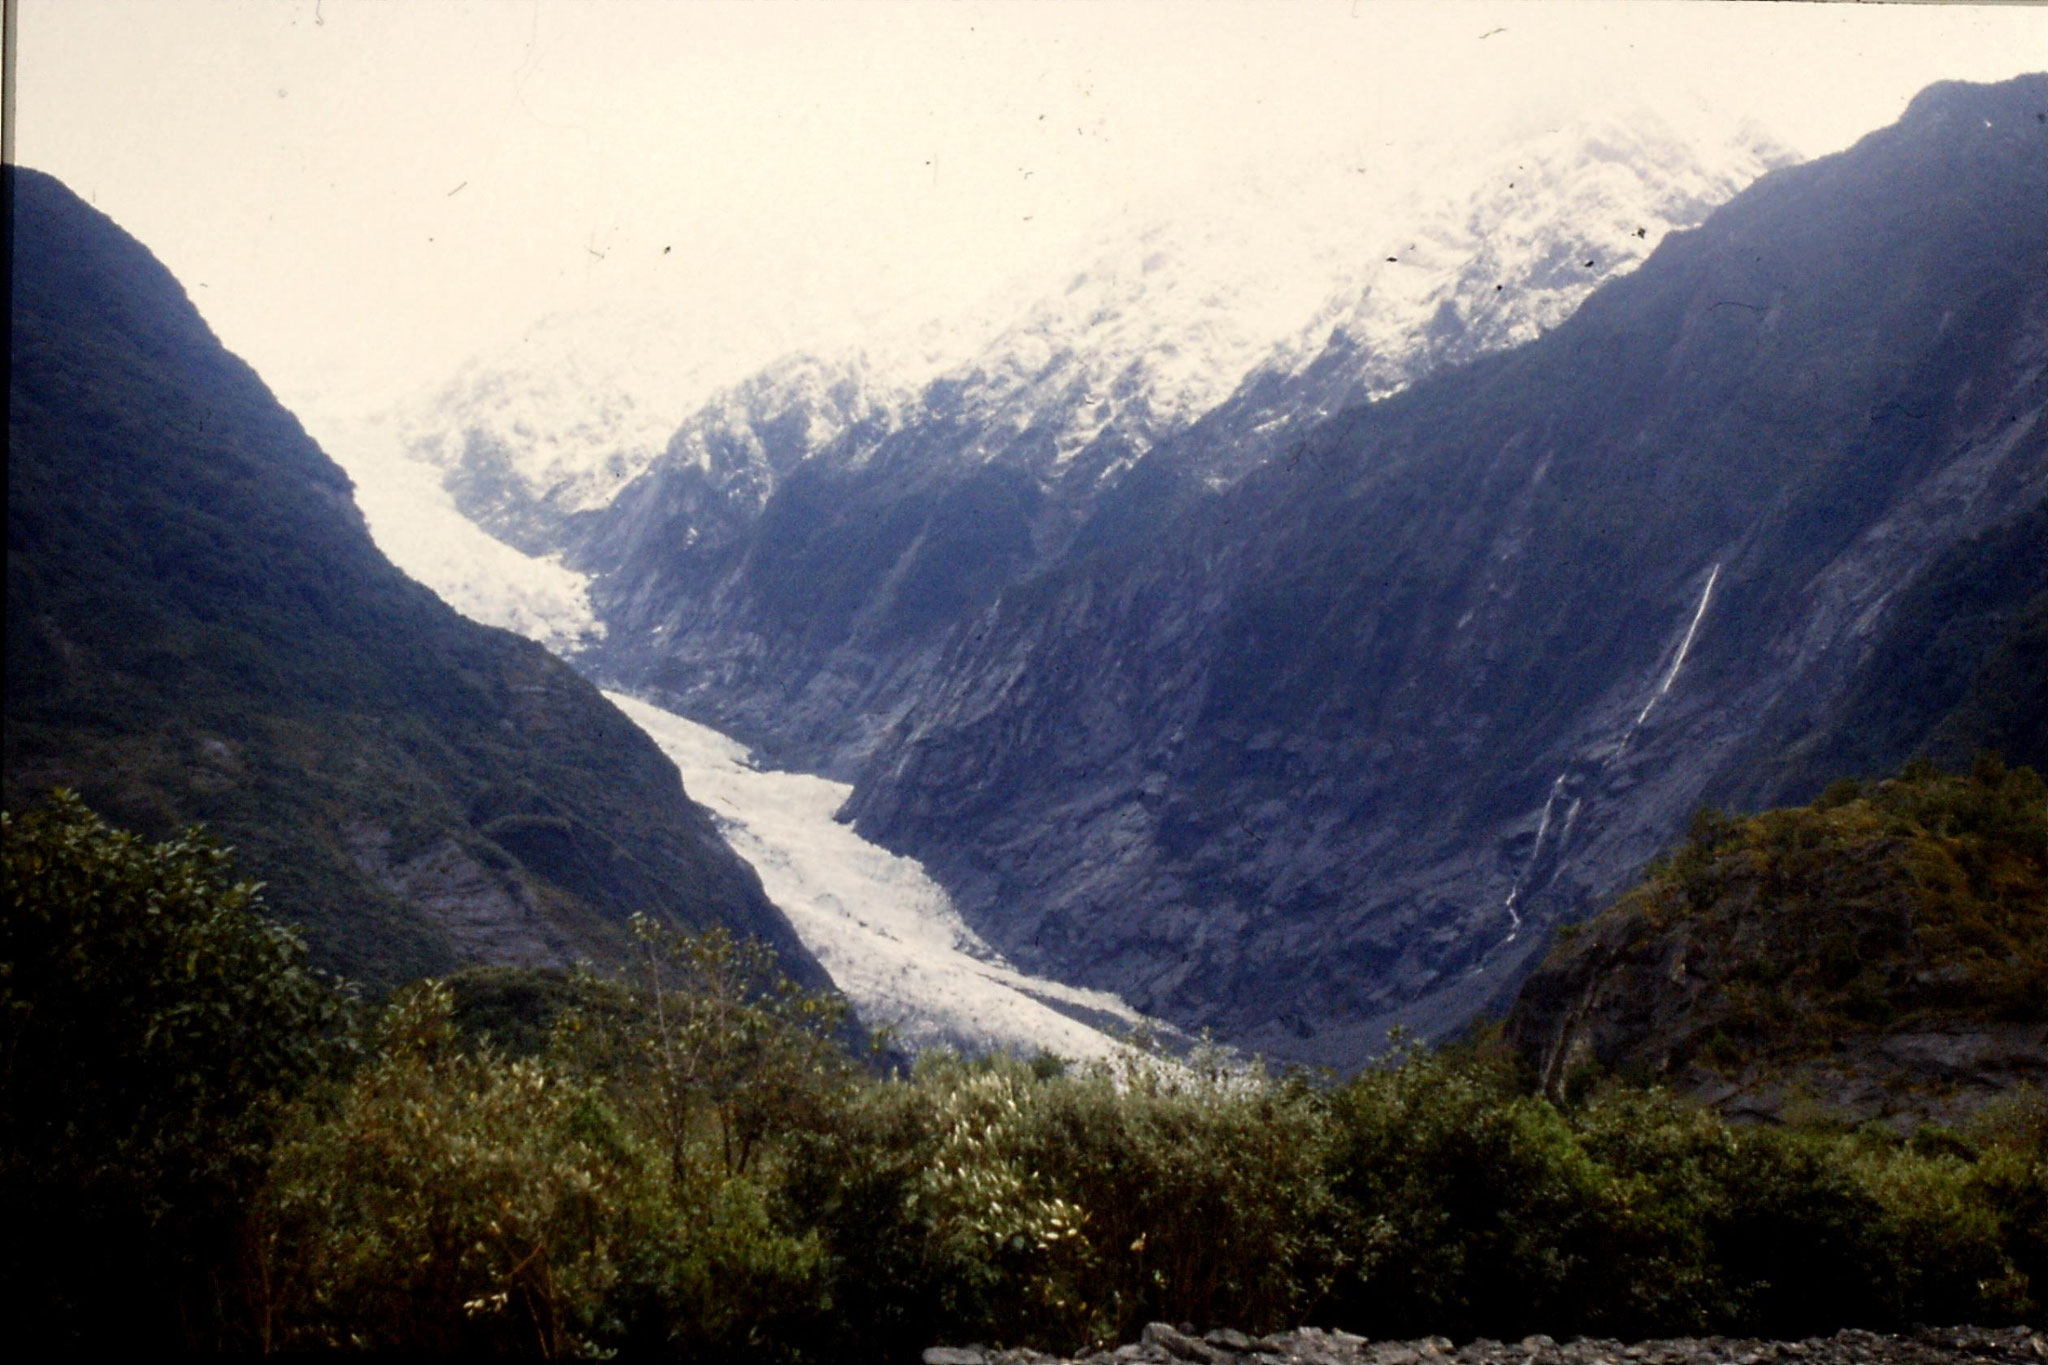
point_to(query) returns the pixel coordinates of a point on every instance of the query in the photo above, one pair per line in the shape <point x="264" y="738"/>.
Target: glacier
<point x="885" y="932"/>
<point x="882" y="929"/>
<point x="417" y="525"/>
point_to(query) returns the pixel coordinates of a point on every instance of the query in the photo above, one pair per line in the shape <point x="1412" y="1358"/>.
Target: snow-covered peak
<point x="775" y="418"/>
<point x="1517" y="249"/>
<point x="1408" y="260"/>
<point x="1165" y="321"/>
<point x="582" y="402"/>
<point x="1160" y="324"/>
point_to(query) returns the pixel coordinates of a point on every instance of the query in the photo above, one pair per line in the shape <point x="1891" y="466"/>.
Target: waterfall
<point x="1513" y="902"/>
<point x="1677" y="662"/>
<point x="1535" y="852"/>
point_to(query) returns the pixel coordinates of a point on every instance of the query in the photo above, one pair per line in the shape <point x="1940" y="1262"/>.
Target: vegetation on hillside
<point x="1924" y="895"/>
<point x="154" y="1030"/>
<point x="683" y="1159"/>
<point x="1767" y="941"/>
<point x="200" y="629"/>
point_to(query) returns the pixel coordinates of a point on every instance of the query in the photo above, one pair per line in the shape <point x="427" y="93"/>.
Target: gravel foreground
<point x="1164" y="1345"/>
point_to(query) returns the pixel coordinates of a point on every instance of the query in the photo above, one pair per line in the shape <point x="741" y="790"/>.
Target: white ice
<point x="416" y="524"/>
<point x="887" y="934"/>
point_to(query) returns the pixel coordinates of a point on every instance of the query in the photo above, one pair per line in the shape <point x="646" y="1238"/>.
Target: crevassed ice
<point x="415" y="523"/>
<point x="881" y="927"/>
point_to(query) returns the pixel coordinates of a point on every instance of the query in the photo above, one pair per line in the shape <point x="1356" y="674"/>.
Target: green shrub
<point x="1002" y="1200"/>
<point x="717" y="1033"/>
<point x="449" y="1198"/>
<point x="1473" y="1207"/>
<point x="154" y="1028"/>
<point x="1943" y="1255"/>
<point x="1178" y="1192"/>
<point x="451" y="1201"/>
<point x="2010" y="1178"/>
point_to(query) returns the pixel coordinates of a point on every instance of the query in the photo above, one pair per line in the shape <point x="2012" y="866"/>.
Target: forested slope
<point x="200" y="629"/>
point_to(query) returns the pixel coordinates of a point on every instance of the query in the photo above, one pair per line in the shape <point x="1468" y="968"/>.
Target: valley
<point x="997" y="684"/>
<point x="885" y="931"/>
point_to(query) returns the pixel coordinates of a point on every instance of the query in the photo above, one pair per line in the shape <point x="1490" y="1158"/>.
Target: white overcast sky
<point x="359" y="195"/>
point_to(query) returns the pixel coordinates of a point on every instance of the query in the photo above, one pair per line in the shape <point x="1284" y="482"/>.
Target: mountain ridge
<point x="1357" y="703"/>
<point x="871" y="547"/>
<point x="199" y="628"/>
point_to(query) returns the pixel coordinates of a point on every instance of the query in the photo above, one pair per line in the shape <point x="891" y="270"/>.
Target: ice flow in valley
<point x="887" y="934"/>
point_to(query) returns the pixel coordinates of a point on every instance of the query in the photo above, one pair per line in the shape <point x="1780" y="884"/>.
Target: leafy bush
<point x="685" y="1160"/>
<point x="452" y="1201"/>
<point x="1199" y="1191"/>
<point x="154" y="1028"/>
<point x="1491" y="1212"/>
<point x="722" y="1035"/>
<point x="1477" y="1210"/>
<point x="451" y="1198"/>
<point x="2011" y="1179"/>
<point x="1002" y="1200"/>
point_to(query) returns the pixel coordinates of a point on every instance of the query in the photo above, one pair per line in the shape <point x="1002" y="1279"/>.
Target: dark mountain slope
<point x="1325" y="753"/>
<point x="790" y="567"/>
<point x="1961" y="665"/>
<point x="797" y="619"/>
<point x="200" y="629"/>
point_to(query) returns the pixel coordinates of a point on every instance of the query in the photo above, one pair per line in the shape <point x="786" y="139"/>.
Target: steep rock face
<point x="799" y="602"/>
<point x="200" y="629"/>
<point x="1325" y="753"/>
<point x="1959" y="664"/>
<point x="1882" y="954"/>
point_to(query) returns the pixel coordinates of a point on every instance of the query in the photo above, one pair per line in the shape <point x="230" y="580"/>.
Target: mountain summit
<point x="792" y="581"/>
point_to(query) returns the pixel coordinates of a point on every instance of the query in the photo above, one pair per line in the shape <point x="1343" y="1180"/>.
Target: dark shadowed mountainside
<point x="1332" y="750"/>
<point x="1960" y="664"/>
<point x="200" y="629"/>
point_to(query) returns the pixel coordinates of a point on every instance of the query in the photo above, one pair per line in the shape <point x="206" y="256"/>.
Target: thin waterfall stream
<point x="1557" y="788"/>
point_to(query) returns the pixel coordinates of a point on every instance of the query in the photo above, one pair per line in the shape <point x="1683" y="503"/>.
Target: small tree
<point x="728" y="1038"/>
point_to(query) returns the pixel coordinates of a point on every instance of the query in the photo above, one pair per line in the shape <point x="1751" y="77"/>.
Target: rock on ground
<point x="1163" y="1344"/>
